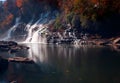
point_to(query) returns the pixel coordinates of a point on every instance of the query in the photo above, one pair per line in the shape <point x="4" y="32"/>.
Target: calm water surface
<point x="64" y="64"/>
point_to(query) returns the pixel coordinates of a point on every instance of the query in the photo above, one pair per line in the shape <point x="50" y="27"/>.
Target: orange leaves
<point x="94" y="1"/>
<point x="96" y="6"/>
<point x="19" y="3"/>
<point x="76" y="6"/>
<point x="7" y="20"/>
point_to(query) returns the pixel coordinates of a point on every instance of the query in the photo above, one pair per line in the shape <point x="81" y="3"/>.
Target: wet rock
<point x="4" y="48"/>
<point x="66" y="41"/>
<point x="20" y="60"/>
<point x="9" y="43"/>
<point x="11" y="46"/>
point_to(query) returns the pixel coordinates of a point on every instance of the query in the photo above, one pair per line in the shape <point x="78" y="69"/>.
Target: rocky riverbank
<point x="71" y="37"/>
<point x="78" y="39"/>
<point x="11" y="46"/>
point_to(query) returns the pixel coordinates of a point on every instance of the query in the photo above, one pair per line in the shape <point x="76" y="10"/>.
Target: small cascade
<point x="39" y="35"/>
<point x="37" y="31"/>
<point x="9" y="33"/>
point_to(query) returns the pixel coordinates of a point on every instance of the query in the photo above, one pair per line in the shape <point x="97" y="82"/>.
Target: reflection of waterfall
<point x="9" y="33"/>
<point x="41" y="53"/>
<point x="38" y="53"/>
<point x="37" y="31"/>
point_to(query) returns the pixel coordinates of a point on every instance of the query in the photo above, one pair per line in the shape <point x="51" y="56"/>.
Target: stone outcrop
<point x="11" y="46"/>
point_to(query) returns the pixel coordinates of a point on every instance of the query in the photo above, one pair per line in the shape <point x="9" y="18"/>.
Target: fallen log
<point x="20" y="60"/>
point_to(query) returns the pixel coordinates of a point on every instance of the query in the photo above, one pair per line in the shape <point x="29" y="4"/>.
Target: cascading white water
<point x="37" y="31"/>
<point x="37" y="36"/>
<point x="30" y="30"/>
<point x="9" y="33"/>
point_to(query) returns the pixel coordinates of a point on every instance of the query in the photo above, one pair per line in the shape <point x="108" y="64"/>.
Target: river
<point x="64" y="64"/>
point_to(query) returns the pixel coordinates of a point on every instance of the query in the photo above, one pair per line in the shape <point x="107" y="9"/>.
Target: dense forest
<point x="92" y="16"/>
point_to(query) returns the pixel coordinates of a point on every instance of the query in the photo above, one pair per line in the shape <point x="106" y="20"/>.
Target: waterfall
<point x="37" y="36"/>
<point x="38" y="30"/>
<point x="30" y="29"/>
<point x="9" y="33"/>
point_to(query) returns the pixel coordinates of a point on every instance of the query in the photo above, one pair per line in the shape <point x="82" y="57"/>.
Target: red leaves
<point x="94" y="1"/>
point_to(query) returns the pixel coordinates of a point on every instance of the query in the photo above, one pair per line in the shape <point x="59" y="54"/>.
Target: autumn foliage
<point x="71" y="11"/>
<point x="89" y="7"/>
<point x="8" y="19"/>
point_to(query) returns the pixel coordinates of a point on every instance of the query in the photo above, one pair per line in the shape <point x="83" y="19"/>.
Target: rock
<point x="10" y="43"/>
<point x="11" y="46"/>
<point x="4" y="48"/>
<point x="20" y="60"/>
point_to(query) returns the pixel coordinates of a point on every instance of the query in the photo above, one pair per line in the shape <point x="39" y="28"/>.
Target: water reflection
<point x="43" y="53"/>
<point x="66" y="64"/>
<point x="38" y="53"/>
